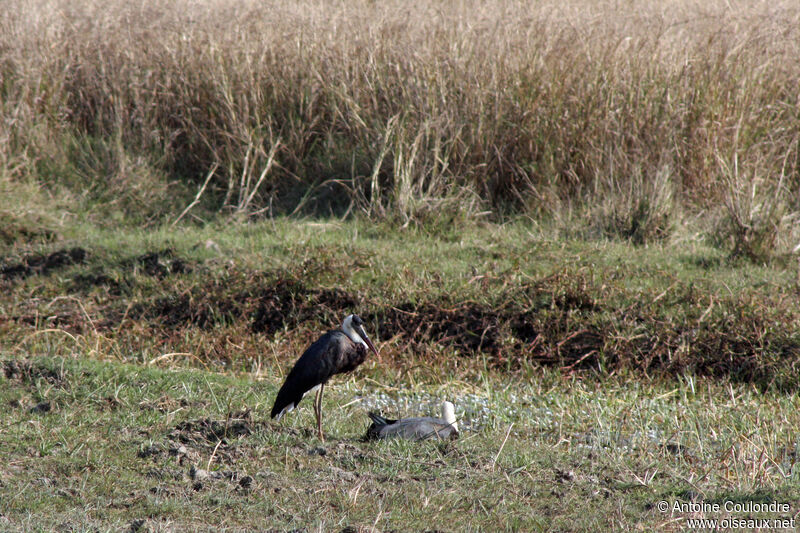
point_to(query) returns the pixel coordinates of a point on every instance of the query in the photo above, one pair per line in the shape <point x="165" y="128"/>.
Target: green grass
<point x="549" y="453"/>
<point x="148" y="341"/>
<point x="249" y="297"/>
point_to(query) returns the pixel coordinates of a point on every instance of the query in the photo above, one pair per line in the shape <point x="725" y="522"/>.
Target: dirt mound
<point x="191" y="439"/>
<point x="288" y="303"/>
<point x="42" y="264"/>
<point x="96" y="278"/>
<point x="267" y="302"/>
<point x="206" y="430"/>
<point x="506" y="333"/>
<point x="121" y="277"/>
<point x="565" y="319"/>
<point x="27" y="371"/>
<point x="162" y="263"/>
<point x="467" y="327"/>
<point x="530" y="324"/>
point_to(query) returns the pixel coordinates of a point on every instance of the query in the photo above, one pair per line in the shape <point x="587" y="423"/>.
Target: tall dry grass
<point x="410" y="110"/>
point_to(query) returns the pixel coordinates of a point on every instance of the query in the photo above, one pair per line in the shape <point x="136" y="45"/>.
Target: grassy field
<point x="510" y="294"/>
<point x="577" y="220"/>
<point x="107" y="446"/>
<point x="134" y="360"/>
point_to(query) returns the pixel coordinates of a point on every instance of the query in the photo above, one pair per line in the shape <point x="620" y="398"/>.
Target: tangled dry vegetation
<point x="640" y="115"/>
<point x="143" y="306"/>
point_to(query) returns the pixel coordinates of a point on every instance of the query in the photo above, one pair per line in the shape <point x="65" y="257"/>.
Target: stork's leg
<point x="318" y="411"/>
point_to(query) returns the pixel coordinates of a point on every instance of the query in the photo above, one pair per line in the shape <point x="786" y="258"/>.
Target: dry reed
<point x="412" y="110"/>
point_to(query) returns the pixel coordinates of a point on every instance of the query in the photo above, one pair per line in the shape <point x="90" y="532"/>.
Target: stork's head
<point x="353" y="327"/>
<point x="449" y="414"/>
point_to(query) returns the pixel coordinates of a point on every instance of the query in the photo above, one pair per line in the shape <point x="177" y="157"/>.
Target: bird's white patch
<point x="286" y="409"/>
<point x="350" y="331"/>
<point x="289" y="408"/>
<point x="449" y="414"/>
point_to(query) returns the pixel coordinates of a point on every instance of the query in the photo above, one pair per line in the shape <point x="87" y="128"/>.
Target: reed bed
<point x="632" y="117"/>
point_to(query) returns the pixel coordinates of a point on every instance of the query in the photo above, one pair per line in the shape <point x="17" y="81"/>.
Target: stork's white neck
<point x="449" y="414"/>
<point x="350" y="331"/>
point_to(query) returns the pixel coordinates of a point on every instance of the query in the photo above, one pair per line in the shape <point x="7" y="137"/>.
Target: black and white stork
<point x="337" y="351"/>
<point x="419" y="428"/>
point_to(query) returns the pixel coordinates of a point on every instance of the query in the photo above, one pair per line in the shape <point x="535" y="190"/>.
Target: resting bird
<point x="337" y="351"/>
<point x="419" y="428"/>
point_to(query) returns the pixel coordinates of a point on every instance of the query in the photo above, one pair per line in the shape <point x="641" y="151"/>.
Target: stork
<point x="336" y="352"/>
<point x="419" y="428"/>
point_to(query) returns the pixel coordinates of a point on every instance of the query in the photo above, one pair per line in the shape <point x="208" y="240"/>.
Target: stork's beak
<point x="366" y="339"/>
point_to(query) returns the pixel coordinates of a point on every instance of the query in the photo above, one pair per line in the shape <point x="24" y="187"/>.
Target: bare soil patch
<point x="28" y="371"/>
<point x="563" y="320"/>
<point x="161" y="263"/>
<point x="207" y="430"/>
<point x="267" y="302"/>
<point x="41" y="264"/>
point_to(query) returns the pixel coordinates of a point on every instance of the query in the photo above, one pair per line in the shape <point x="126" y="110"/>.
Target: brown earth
<point x="561" y="320"/>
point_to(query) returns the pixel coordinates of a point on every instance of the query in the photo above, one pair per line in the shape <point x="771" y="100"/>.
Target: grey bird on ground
<point x="418" y="428"/>
<point x="336" y="352"/>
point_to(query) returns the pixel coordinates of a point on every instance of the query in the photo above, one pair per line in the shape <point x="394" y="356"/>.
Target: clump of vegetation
<point x="407" y="112"/>
<point x="758" y="211"/>
<point x="24" y="213"/>
<point x="642" y="209"/>
<point x="648" y="315"/>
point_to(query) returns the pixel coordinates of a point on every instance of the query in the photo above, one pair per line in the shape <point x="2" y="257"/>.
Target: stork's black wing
<point x="315" y="367"/>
